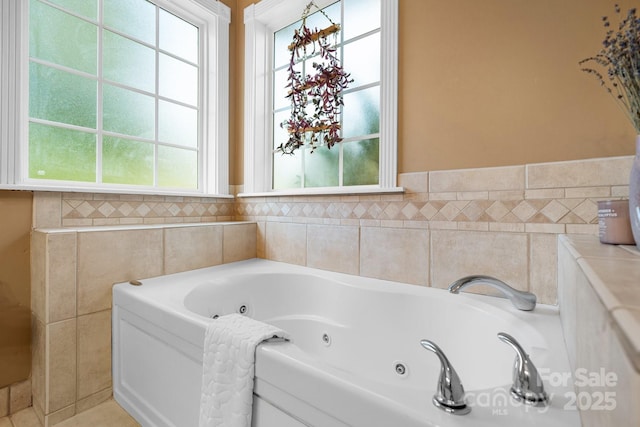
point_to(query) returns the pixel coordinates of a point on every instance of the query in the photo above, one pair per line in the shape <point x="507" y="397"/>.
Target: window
<point x="366" y="158"/>
<point x="121" y="95"/>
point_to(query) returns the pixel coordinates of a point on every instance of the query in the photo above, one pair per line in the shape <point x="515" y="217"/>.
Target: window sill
<point x="97" y="190"/>
<point x="326" y="191"/>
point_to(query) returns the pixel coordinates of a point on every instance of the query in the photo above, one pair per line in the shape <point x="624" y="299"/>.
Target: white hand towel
<point x="228" y="366"/>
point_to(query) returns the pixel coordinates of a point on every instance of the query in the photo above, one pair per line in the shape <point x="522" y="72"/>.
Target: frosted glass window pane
<point x="287" y="170"/>
<point x="177" y="124"/>
<point x="360" y="16"/>
<point x="360" y="63"/>
<point x="60" y="38"/>
<point x="128" y="62"/>
<point x="86" y="8"/>
<point x="177" y="168"/>
<point x="63" y="154"/>
<point x="178" y="80"/>
<point x="61" y="97"/>
<point x="361" y="114"/>
<point x="282" y="39"/>
<point x="361" y="162"/>
<point x="321" y="167"/>
<point x="127" y="162"/>
<point x="128" y="112"/>
<point x="136" y="18"/>
<point x="280" y="135"/>
<point x="178" y="37"/>
<point x="280" y="90"/>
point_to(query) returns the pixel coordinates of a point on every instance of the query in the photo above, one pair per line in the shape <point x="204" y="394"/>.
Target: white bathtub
<point x="348" y="335"/>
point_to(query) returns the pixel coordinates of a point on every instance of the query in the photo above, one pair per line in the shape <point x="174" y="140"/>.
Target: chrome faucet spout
<point x="450" y="393"/>
<point x="521" y="300"/>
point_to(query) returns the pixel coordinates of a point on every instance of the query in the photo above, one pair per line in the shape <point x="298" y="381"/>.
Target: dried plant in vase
<point x="321" y="90"/>
<point x="619" y="60"/>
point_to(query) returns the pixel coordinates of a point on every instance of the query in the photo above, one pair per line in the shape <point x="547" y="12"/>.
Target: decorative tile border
<point x="82" y="209"/>
<point x="448" y="214"/>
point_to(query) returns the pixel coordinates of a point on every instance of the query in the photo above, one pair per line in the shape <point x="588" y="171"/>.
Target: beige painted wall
<point x="15" y="290"/>
<point x="490" y="83"/>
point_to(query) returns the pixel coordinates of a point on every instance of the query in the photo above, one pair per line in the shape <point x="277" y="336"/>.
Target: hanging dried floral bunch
<point x="322" y="90"/>
<point x="619" y="59"/>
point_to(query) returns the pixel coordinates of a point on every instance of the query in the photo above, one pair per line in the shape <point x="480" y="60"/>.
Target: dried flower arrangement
<point x="620" y="59"/>
<point x="323" y="89"/>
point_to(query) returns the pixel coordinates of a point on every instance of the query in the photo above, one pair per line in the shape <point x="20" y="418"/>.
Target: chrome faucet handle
<point x="521" y="300"/>
<point x="449" y="394"/>
<point x="527" y="385"/>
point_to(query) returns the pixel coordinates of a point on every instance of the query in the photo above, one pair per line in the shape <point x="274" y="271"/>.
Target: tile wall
<point x="15" y="398"/>
<point x="600" y="313"/>
<point x="496" y="221"/>
<point x="73" y="270"/>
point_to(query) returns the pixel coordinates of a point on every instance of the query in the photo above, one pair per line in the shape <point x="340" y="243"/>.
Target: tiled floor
<point x="107" y="414"/>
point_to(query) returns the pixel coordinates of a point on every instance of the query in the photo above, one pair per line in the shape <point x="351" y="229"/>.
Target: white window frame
<point x="212" y="17"/>
<point x="261" y="21"/>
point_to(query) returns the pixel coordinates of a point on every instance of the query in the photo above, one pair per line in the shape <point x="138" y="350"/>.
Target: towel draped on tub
<point x="228" y="369"/>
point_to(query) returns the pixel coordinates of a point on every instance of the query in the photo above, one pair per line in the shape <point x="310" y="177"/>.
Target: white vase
<point x="634" y="195"/>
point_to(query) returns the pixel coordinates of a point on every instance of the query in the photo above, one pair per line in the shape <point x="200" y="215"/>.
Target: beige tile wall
<point x="333" y="248"/>
<point x="15" y="397"/>
<point x="395" y="254"/>
<point x="498" y="221"/>
<point x="596" y="283"/>
<point x="73" y="271"/>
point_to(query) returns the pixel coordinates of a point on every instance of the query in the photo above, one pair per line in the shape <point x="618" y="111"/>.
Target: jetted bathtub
<point x="354" y="358"/>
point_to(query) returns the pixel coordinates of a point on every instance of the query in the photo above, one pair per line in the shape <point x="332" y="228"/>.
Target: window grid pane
<point x="127" y="161"/>
<point x="61" y="97"/>
<point x="122" y="105"/>
<point x="136" y="18"/>
<point x="361" y="162"/>
<point x="60" y="38"/>
<point x="86" y="8"/>
<point x="128" y="62"/>
<point x="62" y="154"/>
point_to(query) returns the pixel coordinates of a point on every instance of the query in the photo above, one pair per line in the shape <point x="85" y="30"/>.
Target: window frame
<point x="261" y="21"/>
<point x="213" y="20"/>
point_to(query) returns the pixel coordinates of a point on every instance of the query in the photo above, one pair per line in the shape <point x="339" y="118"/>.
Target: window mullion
<point x="99" y="98"/>
<point x="303" y="151"/>
<point x="388" y="169"/>
<point x="156" y="136"/>
<point x="341" y="145"/>
<point x="341" y="164"/>
<point x="14" y="126"/>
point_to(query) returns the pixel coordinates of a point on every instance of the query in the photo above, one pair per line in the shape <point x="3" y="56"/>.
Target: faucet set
<point x="527" y="385"/>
